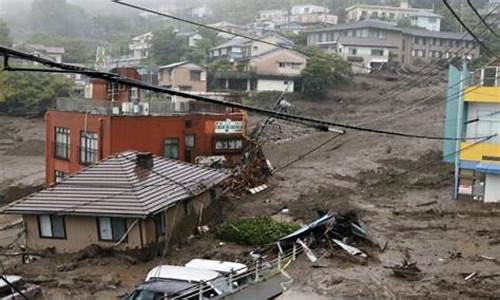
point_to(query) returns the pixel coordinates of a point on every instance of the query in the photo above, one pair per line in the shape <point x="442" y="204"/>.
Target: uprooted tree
<point x="322" y="71"/>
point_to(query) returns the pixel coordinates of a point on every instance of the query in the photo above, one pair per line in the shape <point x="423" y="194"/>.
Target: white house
<point x="305" y="9"/>
<point x="424" y="18"/>
<point x="140" y="45"/>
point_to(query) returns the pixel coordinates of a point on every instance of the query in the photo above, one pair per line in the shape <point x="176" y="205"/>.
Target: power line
<point x="307" y="153"/>
<point x="219" y="29"/>
<point x="481" y="18"/>
<point x="457" y="17"/>
<point x="279" y="115"/>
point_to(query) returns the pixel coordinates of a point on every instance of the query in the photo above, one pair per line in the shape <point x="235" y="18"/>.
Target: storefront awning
<point x="488" y="168"/>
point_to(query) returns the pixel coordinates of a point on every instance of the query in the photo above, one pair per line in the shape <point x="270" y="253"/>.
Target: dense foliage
<point x="322" y="71"/>
<point x="255" y="231"/>
<point x="30" y="92"/>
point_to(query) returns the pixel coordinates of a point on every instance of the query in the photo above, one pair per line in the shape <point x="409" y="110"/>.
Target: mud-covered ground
<point x="399" y="187"/>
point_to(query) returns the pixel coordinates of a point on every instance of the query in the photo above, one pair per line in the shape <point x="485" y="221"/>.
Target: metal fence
<point x="153" y="107"/>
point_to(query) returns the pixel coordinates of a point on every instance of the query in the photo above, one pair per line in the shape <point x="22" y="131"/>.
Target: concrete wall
<point x="274" y="85"/>
<point x="492" y="188"/>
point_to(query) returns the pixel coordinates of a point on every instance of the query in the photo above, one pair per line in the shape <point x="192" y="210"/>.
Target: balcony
<point x="146" y="108"/>
<point x="484" y="86"/>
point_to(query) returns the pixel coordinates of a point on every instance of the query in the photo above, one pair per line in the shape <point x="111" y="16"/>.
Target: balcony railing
<point x="153" y="107"/>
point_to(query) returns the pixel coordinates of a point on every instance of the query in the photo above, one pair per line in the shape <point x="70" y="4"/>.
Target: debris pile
<point x="407" y="270"/>
<point x="250" y="175"/>
<point x="334" y="231"/>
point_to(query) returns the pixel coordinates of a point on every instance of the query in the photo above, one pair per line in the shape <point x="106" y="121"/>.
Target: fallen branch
<point x="427" y="203"/>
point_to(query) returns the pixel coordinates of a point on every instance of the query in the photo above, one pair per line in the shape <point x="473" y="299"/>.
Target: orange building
<point x="80" y="132"/>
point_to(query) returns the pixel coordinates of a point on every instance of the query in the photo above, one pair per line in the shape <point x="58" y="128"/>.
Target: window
<point x="62" y="143"/>
<point x="457" y="43"/>
<point x="441" y="42"/>
<point x="195" y="75"/>
<point x="229" y="144"/>
<point x="88" y="147"/>
<point x="353" y="51"/>
<point x="188" y="123"/>
<point x="417" y="40"/>
<point x="59" y="176"/>
<point x="377" y="52"/>
<point x="190" y="140"/>
<point x="171" y="148"/>
<point x="223" y="51"/>
<point x="111" y="229"/>
<point x="216" y="53"/>
<point x="424" y="41"/>
<point x="374" y="14"/>
<point x="391" y="16"/>
<point x="51" y="227"/>
<point x="489" y="76"/>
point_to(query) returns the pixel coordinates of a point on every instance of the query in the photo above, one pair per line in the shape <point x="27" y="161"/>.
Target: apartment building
<point x="423" y="18"/>
<point x="473" y="114"/>
<point x="407" y="45"/>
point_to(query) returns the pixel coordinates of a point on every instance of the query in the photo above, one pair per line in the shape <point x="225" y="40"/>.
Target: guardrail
<point x="154" y="107"/>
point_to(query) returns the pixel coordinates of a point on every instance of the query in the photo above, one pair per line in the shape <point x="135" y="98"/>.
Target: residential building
<point x="192" y="38"/>
<point x="127" y="201"/>
<point x="274" y="70"/>
<point x="413" y="45"/>
<point x="310" y="15"/>
<point x="140" y="45"/>
<point x="53" y="53"/>
<point x="227" y="26"/>
<point x="201" y="12"/>
<point x="469" y="116"/>
<point x="424" y="18"/>
<point x="365" y="54"/>
<point x="238" y="47"/>
<point x="184" y="76"/>
<point x="277" y="16"/>
<point x="80" y="132"/>
<point x="306" y="9"/>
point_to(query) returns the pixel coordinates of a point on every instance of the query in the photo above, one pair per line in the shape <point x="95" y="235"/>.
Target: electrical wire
<point x="278" y="115"/>
<point x="237" y="34"/>
<point x="457" y="17"/>
<point x="481" y="18"/>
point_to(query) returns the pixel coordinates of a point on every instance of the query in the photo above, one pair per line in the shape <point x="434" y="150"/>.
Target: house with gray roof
<point x="130" y="200"/>
<point x="407" y="45"/>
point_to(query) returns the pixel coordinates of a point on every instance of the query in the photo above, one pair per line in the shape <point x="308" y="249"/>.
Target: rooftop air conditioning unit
<point x="145" y="109"/>
<point x="126" y="107"/>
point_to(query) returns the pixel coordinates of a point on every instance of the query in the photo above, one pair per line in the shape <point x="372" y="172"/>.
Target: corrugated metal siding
<point x="116" y="186"/>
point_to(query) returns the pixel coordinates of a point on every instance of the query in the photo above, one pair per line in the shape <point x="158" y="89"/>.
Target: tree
<point x="167" y="47"/>
<point x="5" y="38"/>
<point x="32" y="92"/>
<point x="322" y="71"/>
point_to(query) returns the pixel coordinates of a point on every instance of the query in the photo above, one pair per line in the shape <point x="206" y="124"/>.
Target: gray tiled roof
<point x="117" y="186"/>
<point x="390" y="26"/>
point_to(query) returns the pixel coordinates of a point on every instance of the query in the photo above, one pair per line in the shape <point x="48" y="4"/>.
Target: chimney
<point x="144" y="159"/>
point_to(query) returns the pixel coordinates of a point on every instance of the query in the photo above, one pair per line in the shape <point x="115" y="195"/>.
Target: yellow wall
<point x="476" y="152"/>
<point x="482" y="94"/>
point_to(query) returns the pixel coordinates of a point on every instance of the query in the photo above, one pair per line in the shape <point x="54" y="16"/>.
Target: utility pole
<point x="459" y="124"/>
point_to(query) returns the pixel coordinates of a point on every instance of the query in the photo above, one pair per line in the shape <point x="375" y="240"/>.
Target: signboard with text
<point x="228" y="126"/>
